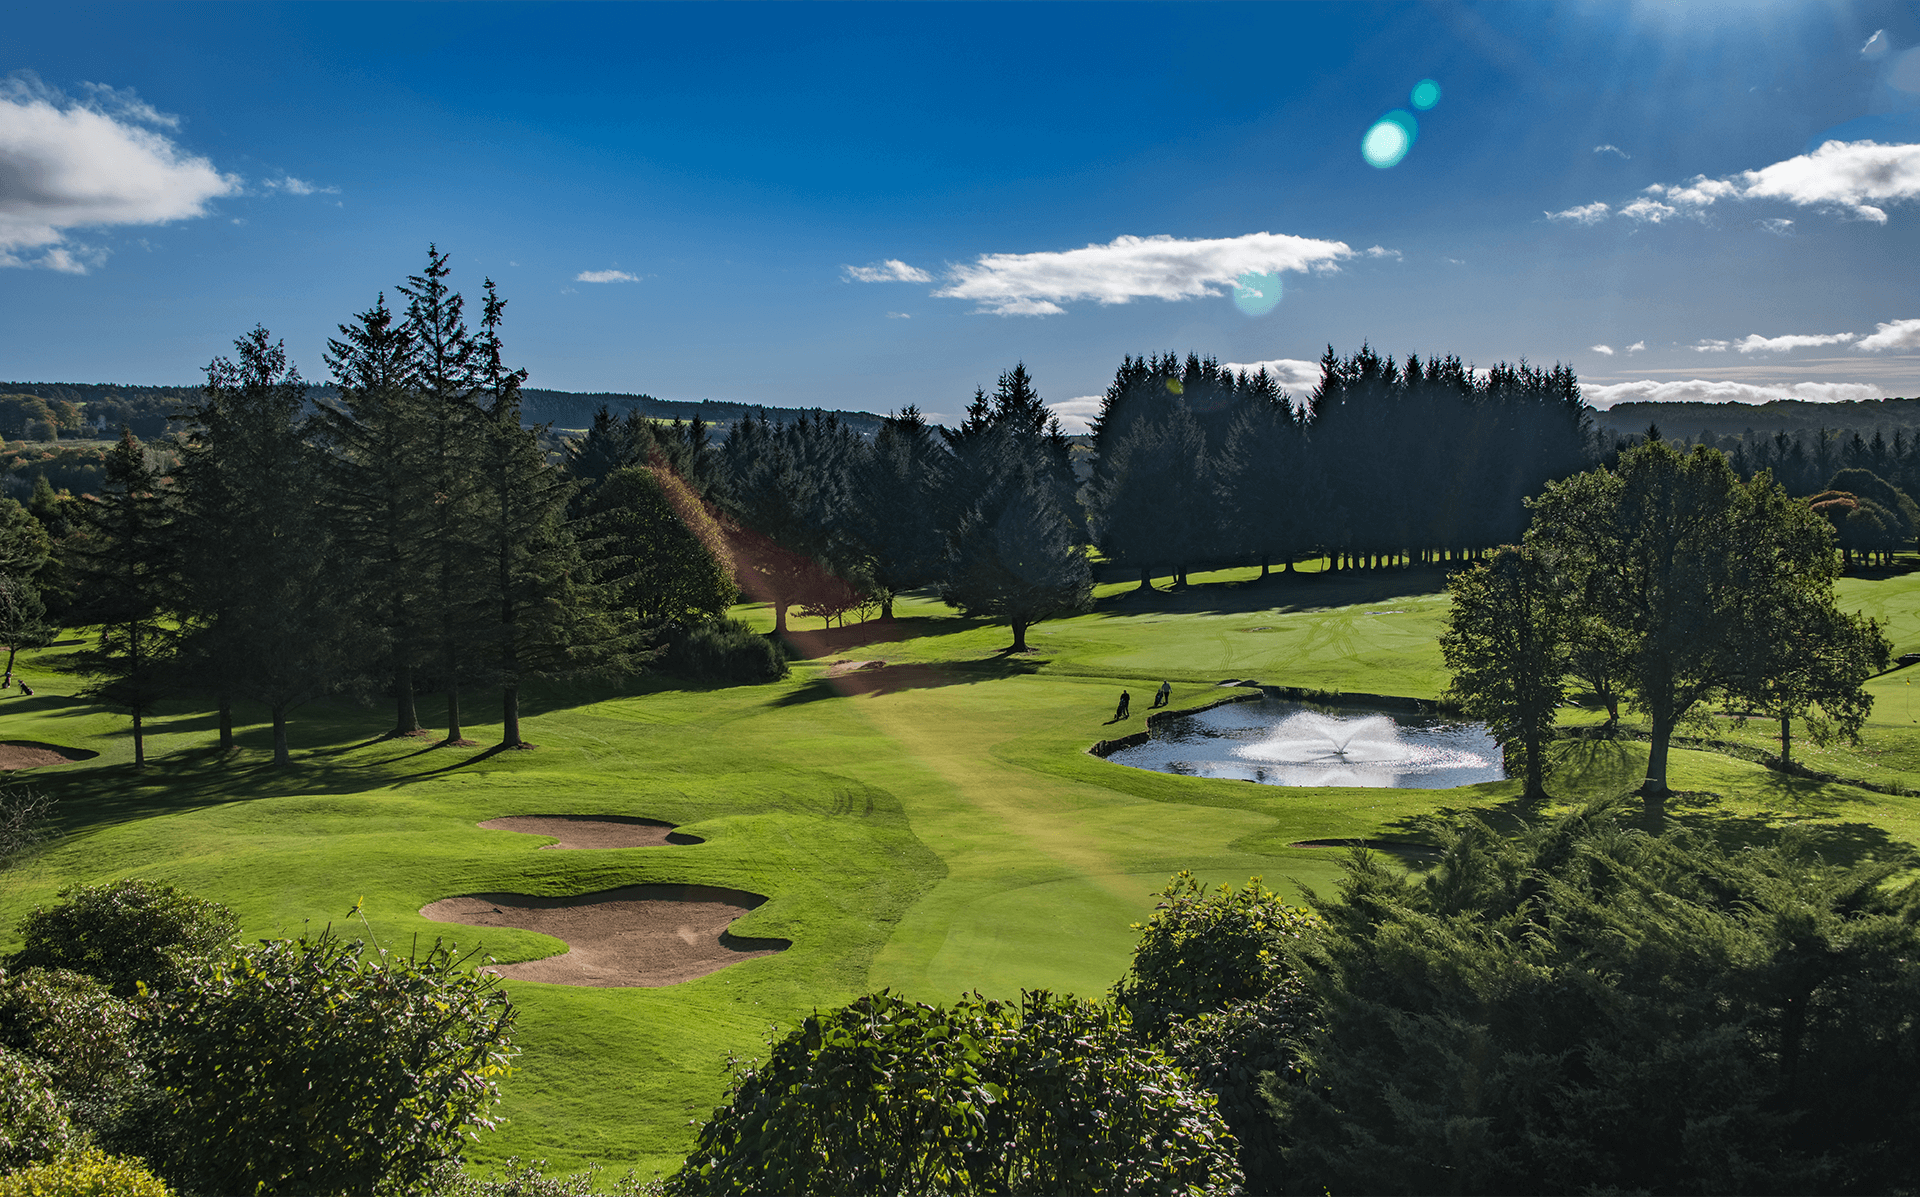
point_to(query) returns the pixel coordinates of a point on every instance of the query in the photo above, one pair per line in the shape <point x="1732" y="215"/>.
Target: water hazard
<point x="1292" y="744"/>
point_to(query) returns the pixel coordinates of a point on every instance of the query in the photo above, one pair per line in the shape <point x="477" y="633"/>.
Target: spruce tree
<point x="897" y="491"/>
<point x="1014" y="555"/>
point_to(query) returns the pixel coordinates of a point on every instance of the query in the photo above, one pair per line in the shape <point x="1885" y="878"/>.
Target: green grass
<point x="932" y="826"/>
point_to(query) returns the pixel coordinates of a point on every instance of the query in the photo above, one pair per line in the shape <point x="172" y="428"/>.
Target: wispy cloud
<point x="1592" y="213"/>
<point x="1076" y="415"/>
<point x="1851" y="178"/>
<point x="1711" y="346"/>
<point x="1705" y="390"/>
<point x="605" y="276"/>
<point x="1755" y="343"/>
<point x="1130" y="268"/>
<point x="1611" y="149"/>
<point x="1603" y="350"/>
<point x="1381" y="251"/>
<point x="1900" y="334"/>
<point x="68" y="165"/>
<point x="292" y="186"/>
<point x="899" y="315"/>
<point x="893" y="270"/>
<point x="1636" y="347"/>
<point x="1779" y="226"/>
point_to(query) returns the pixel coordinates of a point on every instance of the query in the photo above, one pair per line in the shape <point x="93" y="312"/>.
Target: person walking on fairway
<point x="1120" y="712"/>
<point x="1160" y="697"/>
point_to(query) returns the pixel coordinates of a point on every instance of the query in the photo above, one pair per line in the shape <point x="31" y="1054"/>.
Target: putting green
<point x="933" y="825"/>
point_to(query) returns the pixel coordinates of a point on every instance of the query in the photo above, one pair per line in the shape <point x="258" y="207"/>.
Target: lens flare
<point x="1389" y="140"/>
<point x="1426" y="94"/>
<point x="1257" y="294"/>
<point x="1175" y="387"/>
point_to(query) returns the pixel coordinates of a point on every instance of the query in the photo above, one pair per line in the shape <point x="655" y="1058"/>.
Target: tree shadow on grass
<point x="892" y="679"/>
<point x="812" y="644"/>
<point x="1279" y="592"/>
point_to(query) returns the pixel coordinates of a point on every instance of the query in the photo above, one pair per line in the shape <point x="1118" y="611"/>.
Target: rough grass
<point x="933" y="825"/>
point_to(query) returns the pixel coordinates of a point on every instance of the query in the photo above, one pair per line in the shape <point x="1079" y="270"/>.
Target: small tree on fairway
<point x="1505" y="646"/>
<point x="1692" y="569"/>
<point x="1014" y="558"/>
<point x="23" y="617"/>
<point x="1813" y="668"/>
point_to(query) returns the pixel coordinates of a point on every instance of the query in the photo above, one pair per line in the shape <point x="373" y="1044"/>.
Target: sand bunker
<point x="639" y="935"/>
<point x="28" y="754"/>
<point x="594" y="831"/>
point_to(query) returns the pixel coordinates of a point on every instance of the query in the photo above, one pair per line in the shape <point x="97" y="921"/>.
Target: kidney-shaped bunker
<point x="638" y="935"/>
<point x="593" y="831"/>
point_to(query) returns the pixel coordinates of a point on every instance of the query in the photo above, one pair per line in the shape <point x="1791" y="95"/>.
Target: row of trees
<point x="1669" y="581"/>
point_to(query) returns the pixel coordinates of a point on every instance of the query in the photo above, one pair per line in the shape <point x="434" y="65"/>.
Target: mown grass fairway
<point x="933" y="825"/>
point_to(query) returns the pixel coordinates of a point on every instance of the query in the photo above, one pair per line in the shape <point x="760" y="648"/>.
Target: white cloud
<point x="1298" y="376"/>
<point x="1129" y="268"/>
<point x="1379" y="251"/>
<point x="893" y="270"/>
<point x="1603" y="350"/>
<point x="899" y="315"/>
<point x="1849" y="177"/>
<point x="1711" y="346"/>
<point x="1636" y="347"/>
<point x="605" y="276"/>
<point x="1703" y="390"/>
<point x="1076" y="415"/>
<point x="1592" y="213"/>
<point x="1779" y="226"/>
<point x="1611" y="149"/>
<point x="1648" y="211"/>
<point x="1900" y="334"/>
<point x="1876" y="45"/>
<point x="1755" y="343"/>
<point x="67" y="165"/>
<point x="293" y="186"/>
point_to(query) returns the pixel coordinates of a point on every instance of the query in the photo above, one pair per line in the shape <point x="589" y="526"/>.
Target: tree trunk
<point x="1786" y="739"/>
<point x="1654" y="789"/>
<point x="510" y="716"/>
<point x="1019" y="636"/>
<point x="1146" y="577"/>
<point x="1536" y="780"/>
<point x="406" y="718"/>
<point x="281" y="757"/>
<point x="1289" y="562"/>
<point x="779" y="617"/>
<point x="453" y="713"/>
<point x="886" y="606"/>
<point x="1266" y="566"/>
<point x="226" y="722"/>
<point x="139" y="742"/>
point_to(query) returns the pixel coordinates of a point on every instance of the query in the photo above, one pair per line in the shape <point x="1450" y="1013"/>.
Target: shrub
<point x="34" y="1123"/>
<point x="26" y="816"/>
<point x="1590" y="1008"/>
<point x="1235" y="1053"/>
<point x="125" y="933"/>
<point x="889" y="1096"/>
<point x="1200" y="952"/>
<point x="92" y="1173"/>
<point x="516" y="1179"/>
<point x="724" y="650"/>
<point x="314" y="1066"/>
<point x="72" y="1025"/>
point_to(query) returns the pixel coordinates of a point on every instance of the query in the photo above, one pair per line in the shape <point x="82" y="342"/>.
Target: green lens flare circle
<point x="1426" y="94"/>
<point x="1258" y="294"/>
<point x="1388" y="141"/>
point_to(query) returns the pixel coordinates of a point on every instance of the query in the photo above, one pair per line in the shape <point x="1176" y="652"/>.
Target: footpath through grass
<point x="932" y="824"/>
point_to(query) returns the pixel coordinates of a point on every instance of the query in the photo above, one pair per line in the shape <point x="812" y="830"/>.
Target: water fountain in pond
<point x="1283" y="743"/>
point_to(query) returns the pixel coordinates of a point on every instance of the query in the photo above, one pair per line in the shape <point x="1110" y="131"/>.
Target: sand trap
<point x="842" y="668"/>
<point x="27" y="754"/>
<point x="639" y="935"/>
<point x="594" y="831"/>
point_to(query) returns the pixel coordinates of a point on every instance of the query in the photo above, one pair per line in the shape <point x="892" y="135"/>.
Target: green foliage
<point x="1590" y="1008"/>
<point x="26" y="822"/>
<point x="315" y="1066"/>
<point x="1202" y="951"/>
<point x="1233" y="1053"/>
<point x="92" y="1173"/>
<point x="1051" y="1095"/>
<point x="660" y="550"/>
<point x="1506" y="645"/>
<point x="125" y="934"/>
<point x="725" y="650"/>
<point x="73" y="1026"/>
<point x="512" y="1178"/>
<point x="34" y="1122"/>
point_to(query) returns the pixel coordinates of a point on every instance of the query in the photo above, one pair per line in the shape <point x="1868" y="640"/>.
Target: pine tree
<point x="265" y="599"/>
<point x="897" y="491"/>
<point x="127" y="583"/>
<point x="1014" y="555"/>
<point x="374" y="485"/>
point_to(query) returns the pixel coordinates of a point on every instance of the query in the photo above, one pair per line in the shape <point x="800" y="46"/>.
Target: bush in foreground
<point x="1050" y="1095"/>
<point x="315" y="1066"/>
<point x="34" y="1123"/>
<point x="91" y="1173"/>
<point x="126" y="933"/>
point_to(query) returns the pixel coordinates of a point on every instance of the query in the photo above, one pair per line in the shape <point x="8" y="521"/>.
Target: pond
<point x="1292" y="744"/>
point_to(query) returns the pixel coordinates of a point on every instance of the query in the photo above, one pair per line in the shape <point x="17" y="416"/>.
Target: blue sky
<point x="872" y="205"/>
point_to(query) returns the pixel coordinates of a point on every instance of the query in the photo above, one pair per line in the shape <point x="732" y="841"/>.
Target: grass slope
<point x="933" y="824"/>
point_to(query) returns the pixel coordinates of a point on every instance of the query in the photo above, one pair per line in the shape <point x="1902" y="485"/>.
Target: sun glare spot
<point x="1426" y="94"/>
<point x="1389" y="140"/>
<point x="1257" y="294"/>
